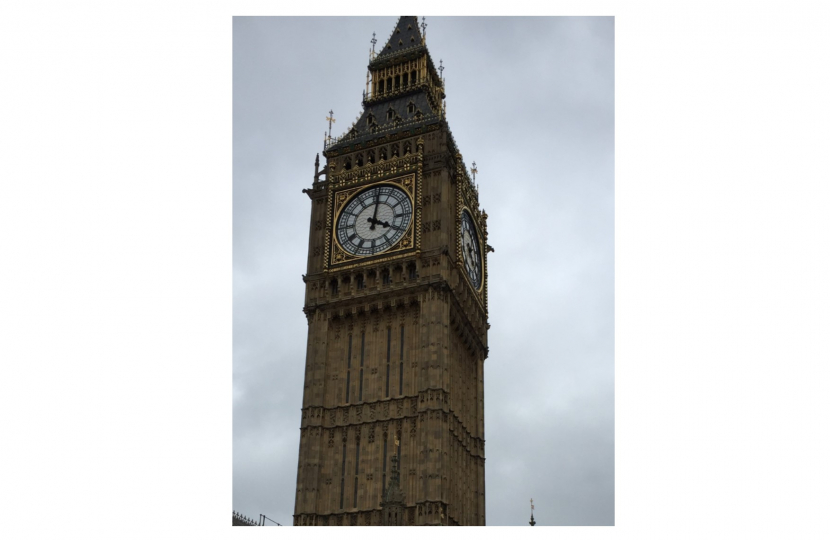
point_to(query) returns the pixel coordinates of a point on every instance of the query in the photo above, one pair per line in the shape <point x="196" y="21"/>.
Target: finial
<point x="424" y="28"/>
<point x="331" y="119"/>
<point x="474" y="171"/>
<point x="373" y="41"/>
<point x="532" y="521"/>
<point x="441" y="68"/>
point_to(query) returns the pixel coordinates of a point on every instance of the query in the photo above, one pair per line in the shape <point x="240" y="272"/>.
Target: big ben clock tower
<point x="392" y="428"/>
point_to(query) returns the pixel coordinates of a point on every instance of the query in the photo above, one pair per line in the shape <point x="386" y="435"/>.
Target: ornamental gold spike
<point x="331" y="119"/>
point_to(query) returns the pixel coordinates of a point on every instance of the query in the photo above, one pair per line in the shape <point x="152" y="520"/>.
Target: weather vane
<point x="331" y="119"/>
<point x="474" y="171"/>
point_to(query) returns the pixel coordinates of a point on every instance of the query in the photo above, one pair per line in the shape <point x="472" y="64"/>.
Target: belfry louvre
<point x="392" y="429"/>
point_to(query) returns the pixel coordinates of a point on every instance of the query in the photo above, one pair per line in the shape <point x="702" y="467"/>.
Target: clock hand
<point x="377" y="222"/>
<point x="374" y="219"/>
<point x="471" y="251"/>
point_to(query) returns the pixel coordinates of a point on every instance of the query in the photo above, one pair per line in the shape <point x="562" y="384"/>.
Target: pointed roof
<point x="407" y="34"/>
<point x="394" y="494"/>
<point x="402" y="119"/>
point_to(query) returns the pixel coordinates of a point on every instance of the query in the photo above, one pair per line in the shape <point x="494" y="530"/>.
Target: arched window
<point x="362" y="351"/>
<point x="400" y="370"/>
<point x="343" y="474"/>
<point x="349" y="368"/>
<point x="361" y="284"/>
<point x="370" y="157"/>
<point x="410" y="108"/>
<point x="333" y="286"/>
<point x="390" y="113"/>
<point x="383" y="153"/>
<point x="397" y="81"/>
<point x="388" y="361"/>
<point x="407" y="148"/>
<point x="413" y="77"/>
<point x="385" y="441"/>
<point x="405" y="79"/>
<point x="348" y="165"/>
<point x="359" y="160"/>
<point x="395" y="151"/>
<point x="380" y="87"/>
<point x="385" y="277"/>
<point x="356" y="468"/>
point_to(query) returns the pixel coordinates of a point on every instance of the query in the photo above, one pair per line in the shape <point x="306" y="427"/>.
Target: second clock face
<point x="374" y="220"/>
<point x="470" y="251"/>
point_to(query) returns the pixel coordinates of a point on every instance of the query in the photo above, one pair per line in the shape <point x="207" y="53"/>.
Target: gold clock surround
<point x="342" y="199"/>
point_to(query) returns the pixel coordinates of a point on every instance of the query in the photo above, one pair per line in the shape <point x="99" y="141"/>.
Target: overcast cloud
<point x="531" y="101"/>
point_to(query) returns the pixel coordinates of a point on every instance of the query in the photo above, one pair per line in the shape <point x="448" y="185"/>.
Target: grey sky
<point x="531" y="101"/>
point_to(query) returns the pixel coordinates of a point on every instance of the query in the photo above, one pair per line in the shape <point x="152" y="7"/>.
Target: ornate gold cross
<point x="331" y="119"/>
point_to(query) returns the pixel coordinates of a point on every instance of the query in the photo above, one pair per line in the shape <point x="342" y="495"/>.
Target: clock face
<point x="374" y="220"/>
<point x="470" y="251"/>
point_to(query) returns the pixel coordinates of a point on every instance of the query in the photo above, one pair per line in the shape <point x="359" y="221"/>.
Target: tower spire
<point x="393" y="498"/>
<point x="406" y="34"/>
<point x="532" y="521"/>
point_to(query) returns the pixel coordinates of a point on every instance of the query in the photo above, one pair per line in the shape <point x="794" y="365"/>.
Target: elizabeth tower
<point x="392" y="428"/>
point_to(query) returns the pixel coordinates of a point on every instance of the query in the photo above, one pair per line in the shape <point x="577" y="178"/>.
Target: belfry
<point x="392" y="429"/>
